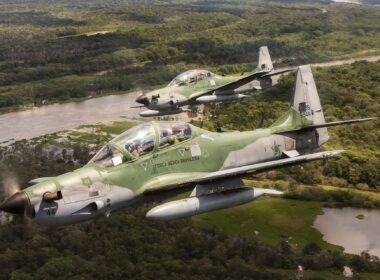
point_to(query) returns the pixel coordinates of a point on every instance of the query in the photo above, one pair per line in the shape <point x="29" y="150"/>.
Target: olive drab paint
<point x="157" y="157"/>
<point x="195" y="87"/>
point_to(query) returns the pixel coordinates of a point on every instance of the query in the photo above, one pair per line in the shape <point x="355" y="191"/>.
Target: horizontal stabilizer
<point x="313" y="126"/>
<point x="291" y="153"/>
<point x="341" y="122"/>
<point x="279" y="72"/>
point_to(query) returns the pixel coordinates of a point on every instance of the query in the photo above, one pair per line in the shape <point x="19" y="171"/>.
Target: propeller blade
<point x="142" y="99"/>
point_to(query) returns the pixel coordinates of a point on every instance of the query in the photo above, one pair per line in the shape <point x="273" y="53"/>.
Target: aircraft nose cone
<point x="142" y="99"/>
<point x="15" y="204"/>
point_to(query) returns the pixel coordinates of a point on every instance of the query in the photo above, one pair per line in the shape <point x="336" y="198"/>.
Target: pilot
<point x="135" y="153"/>
<point x="174" y="139"/>
<point x="187" y="131"/>
<point x="177" y="135"/>
<point x="201" y="76"/>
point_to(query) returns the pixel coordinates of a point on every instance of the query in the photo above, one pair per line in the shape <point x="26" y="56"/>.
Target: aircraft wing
<point x="224" y="189"/>
<point x="229" y="88"/>
<point x="177" y="179"/>
<point x="259" y="167"/>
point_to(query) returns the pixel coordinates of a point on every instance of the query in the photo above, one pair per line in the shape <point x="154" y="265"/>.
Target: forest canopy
<point x="67" y="50"/>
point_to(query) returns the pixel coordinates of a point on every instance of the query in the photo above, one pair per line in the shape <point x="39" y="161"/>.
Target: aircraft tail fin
<point x="265" y="62"/>
<point x="306" y="99"/>
<point x="306" y="114"/>
<point x="306" y="108"/>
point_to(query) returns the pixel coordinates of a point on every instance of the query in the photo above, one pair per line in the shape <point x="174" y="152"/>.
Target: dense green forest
<point x="55" y="51"/>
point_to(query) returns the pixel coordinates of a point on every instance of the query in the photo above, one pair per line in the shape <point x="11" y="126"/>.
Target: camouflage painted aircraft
<point x="154" y="159"/>
<point x="195" y="87"/>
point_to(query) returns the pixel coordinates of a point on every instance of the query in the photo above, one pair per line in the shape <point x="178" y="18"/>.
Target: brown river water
<point x="342" y="227"/>
<point x="58" y="117"/>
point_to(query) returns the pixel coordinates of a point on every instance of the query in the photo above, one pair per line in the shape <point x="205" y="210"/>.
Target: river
<point x="343" y="227"/>
<point x="57" y="117"/>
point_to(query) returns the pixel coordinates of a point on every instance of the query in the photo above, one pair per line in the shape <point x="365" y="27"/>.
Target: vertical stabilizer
<point x="265" y="62"/>
<point x="306" y="101"/>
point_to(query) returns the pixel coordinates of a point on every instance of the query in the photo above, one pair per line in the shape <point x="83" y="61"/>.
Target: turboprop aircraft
<point x="160" y="157"/>
<point x="195" y="87"/>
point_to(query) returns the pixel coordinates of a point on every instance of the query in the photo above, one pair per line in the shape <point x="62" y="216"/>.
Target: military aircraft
<point x="158" y="158"/>
<point x="195" y="87"/>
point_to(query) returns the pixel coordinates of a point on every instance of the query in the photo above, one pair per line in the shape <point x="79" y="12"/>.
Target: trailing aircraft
<point x="196" y="87"/>
<point x="159" y="159"/>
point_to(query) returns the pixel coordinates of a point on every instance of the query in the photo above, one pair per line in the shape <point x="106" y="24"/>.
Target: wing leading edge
<point x="178" y="179"/>
<point x="259" y="167"/>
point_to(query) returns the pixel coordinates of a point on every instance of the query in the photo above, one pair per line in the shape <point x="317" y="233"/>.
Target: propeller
<point x="142" y="99"/>
<point x="17" y="201"/>
<point x="10" y="185"/>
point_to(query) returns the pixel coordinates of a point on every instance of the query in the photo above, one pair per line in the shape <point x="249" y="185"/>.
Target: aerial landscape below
<point x="189" y="139"/>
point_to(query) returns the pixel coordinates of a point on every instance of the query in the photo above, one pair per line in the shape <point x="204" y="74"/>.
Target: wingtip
<point x="371" y="118"/>
<point x="334" y="153"/>
<point x="273" y="192"/>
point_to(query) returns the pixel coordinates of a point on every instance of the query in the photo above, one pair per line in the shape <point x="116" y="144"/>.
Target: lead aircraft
<point x="157" y="158"/>
<point x="196" y="87"/>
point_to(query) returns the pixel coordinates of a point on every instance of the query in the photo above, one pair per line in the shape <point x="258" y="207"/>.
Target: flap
<point x="292" y="153"/>
<point x="217" y="186"/>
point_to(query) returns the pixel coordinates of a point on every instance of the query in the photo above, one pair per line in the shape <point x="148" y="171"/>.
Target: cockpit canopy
<point x="190" y="77"/>
<point x="141" y="140"/>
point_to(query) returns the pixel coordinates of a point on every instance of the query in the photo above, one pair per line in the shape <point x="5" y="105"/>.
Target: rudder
<point x="306" y="101"/>
<point x="265" y="61"/>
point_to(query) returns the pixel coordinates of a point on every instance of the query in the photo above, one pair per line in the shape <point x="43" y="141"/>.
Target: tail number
<point x="304" y="109"/>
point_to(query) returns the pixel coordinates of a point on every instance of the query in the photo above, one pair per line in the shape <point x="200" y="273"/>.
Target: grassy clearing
<point x="330" y="275"/>
<point x="369" y="276"/>
<point x="275" y="219"/>
<point x="285" y="186"/>
<point x="269" y="219"/>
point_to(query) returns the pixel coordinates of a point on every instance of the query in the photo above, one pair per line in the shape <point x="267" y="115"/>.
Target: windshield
<point x="190" y="77"/>
<point x="108" y="156"/>
<point x="138" y="140"/>
<point x="173" y="133"/>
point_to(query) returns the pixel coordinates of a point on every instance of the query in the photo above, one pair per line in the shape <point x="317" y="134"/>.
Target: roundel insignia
<point x="144" y="165"/>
